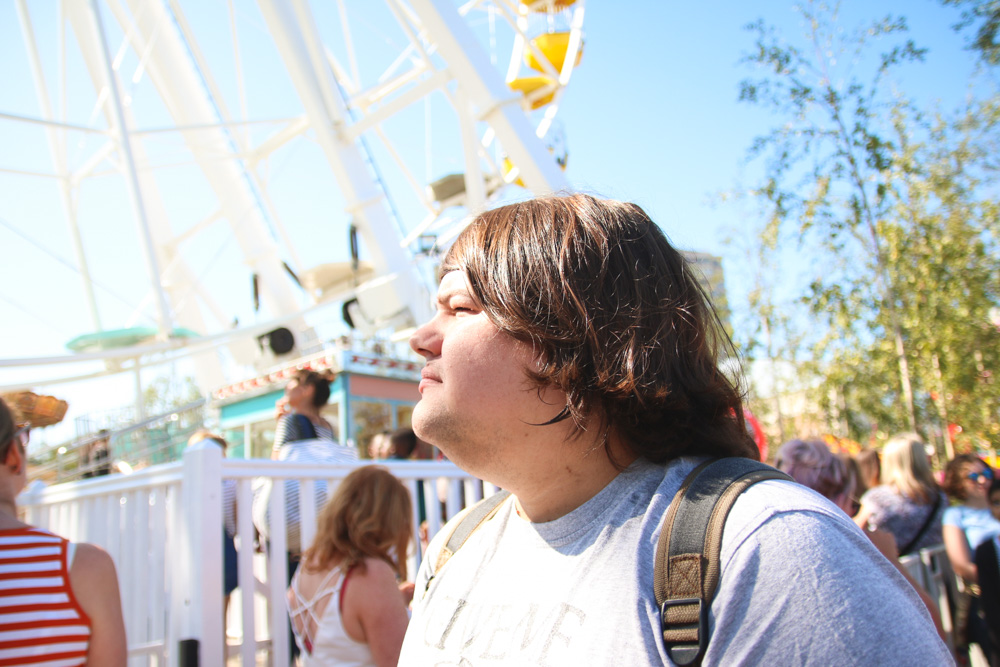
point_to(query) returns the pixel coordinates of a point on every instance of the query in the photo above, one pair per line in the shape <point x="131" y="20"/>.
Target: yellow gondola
<point x="546" y="6"/>
<point x="553" y="46"/>
<point x="506" y="166"/>
<point x="530" y="84"/>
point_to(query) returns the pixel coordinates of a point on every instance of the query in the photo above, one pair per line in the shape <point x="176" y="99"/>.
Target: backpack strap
<point x="686" y="571"/>
<point x="476" y="516"/>
<point x="304" y="427"/>
<point x="923" y="529"/>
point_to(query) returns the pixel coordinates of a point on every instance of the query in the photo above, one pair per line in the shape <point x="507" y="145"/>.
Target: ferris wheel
<point x="323" y="152"/>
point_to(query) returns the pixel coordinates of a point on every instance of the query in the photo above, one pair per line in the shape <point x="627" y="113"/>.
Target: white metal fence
<point x="162" y="526"/>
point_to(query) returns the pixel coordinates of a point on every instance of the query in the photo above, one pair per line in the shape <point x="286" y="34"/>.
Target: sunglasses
<point x="986" y="475"/>
<point x="23" y="433"/>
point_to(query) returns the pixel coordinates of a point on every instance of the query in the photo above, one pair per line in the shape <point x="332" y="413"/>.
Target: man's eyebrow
<point x="442" y="297"/>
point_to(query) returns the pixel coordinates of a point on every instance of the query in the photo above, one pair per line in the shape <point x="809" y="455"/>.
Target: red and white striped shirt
<point x="41" y="623"/>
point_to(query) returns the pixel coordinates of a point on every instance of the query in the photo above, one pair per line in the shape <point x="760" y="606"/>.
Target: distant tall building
<point x="708" y="270"/>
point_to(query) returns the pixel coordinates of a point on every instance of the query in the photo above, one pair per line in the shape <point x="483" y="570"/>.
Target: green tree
<point x="983" y="18"/>
<point x="831" y="147"/>
<point x="768" y="335"/>
<point x="889" y="209"/>
<point x="946" y="263"/>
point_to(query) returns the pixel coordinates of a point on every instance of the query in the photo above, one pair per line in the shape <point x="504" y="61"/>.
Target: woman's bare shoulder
<point x="375" y="569"/>
<point x="93" y="565"/>
<point x="93" y="577"/>
<point x="94" y="581"/>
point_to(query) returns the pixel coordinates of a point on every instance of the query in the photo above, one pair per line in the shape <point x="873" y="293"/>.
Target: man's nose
<point x="425" y="341"/>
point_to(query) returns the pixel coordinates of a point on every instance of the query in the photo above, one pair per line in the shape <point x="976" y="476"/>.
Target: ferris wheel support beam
<point x="58" y="154"/>
<point x="130" y="172"/>
<point x="240" y="135"/>
<point x="475" y="189"/>
<point x="496" y="103"/>
<point x="170" y="68"/>
<point x="413" y="95"/>
<point x="294" y="32"/>
<point x="207" y="366"/>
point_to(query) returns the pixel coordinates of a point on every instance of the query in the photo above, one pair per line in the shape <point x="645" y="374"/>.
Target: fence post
<point x="198" y="590"/>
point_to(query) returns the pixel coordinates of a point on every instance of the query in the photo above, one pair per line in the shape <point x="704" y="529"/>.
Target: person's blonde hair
<point x="205" y="434"/>
<point x="870" y="466"/>
<point x="905" y="468"/>
<point x="370" y="515"/>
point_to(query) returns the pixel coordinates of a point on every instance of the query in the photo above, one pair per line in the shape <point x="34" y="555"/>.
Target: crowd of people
<point x="574" y="361"/>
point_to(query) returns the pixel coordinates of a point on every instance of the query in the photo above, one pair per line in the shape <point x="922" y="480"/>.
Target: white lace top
<point x="330" y="645"/>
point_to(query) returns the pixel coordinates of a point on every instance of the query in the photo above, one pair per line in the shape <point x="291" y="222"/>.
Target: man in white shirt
<point x="573" y="361"/>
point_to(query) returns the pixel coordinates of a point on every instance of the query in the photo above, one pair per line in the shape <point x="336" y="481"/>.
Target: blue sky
<point x="650" y="116"/>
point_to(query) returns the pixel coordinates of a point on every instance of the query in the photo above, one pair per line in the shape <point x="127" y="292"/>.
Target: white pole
<point x="247" y="440"/>
<point x="140" y="407"/>
<point x="59" y="162"/>
<point x="131" y="175"/>
<point x="142" y="439"/>
<point x="295" y="34"/>
<point x="475" y="190"/>
<point x="202" y="612"/>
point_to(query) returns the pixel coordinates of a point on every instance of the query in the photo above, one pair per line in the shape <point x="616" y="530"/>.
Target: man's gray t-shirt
<point x="800" y="584"/>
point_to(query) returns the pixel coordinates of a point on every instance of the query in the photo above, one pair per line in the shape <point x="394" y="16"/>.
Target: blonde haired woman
<point x="908" y="504"/>
<point x="345" y="603"/>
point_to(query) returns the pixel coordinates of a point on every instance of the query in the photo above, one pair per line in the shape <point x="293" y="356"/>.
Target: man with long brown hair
<point x="574" y="361"/>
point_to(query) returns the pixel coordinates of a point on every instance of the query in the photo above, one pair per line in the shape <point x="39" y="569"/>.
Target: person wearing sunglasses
<point x="988" y="565"/>
<point x="966" y="525"/>
<point x="60" y="601"/>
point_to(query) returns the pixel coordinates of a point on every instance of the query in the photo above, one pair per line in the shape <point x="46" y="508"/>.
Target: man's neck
<point x="567" y="483"/>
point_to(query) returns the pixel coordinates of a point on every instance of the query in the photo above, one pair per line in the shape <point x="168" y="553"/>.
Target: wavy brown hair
<point x="955" y="472"/>
<point x="320" y="383"/>
<point x="618" y="320"/>
<point x="870" y="467"/>
<point x="369" y="516"/>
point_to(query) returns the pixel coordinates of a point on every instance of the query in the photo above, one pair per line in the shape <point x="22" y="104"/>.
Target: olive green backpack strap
<point x="476" y="516"/>
<point x="686" y="571"/>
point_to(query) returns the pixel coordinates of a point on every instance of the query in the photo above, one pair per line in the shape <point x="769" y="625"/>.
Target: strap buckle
<point x="685" y="653"/>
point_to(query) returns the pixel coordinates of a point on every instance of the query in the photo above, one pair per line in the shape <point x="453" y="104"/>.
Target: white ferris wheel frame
<point x="443" y="55"/>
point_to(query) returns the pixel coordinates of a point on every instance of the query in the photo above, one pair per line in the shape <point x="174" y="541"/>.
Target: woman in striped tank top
<point x="59" y="601"/>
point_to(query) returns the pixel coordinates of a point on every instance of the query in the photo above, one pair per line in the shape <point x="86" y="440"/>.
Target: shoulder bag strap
<point x="923" y="529"/>
<point x="687" y="570"/>
<point x="476" y="516"/>
<point x="305" y="428"/>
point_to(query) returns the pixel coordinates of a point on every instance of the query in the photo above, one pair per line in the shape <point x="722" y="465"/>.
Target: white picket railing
<point x="162" y="526"/>
<point x="931" y="569"/>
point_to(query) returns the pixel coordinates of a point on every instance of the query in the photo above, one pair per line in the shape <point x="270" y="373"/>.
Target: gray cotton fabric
<point x="800" y="585"/>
